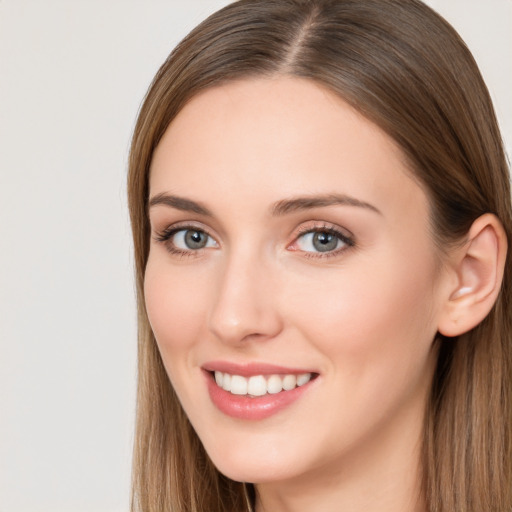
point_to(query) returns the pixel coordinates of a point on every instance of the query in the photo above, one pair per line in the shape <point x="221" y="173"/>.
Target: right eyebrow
<point x="179" y="203"/>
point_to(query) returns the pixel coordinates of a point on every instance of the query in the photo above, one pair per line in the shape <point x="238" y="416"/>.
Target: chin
<point x="254" y="474"/>
<point x="269" y="464"/>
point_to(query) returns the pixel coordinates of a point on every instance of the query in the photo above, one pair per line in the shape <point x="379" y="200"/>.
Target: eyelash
<point x="165" y="236"/>
<point x="323" y="227"/>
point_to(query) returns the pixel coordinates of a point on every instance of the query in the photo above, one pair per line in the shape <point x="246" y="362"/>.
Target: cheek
<point x="371" y="315"/>
<point x="174" y="307"/>
<point x="375" y="330"/>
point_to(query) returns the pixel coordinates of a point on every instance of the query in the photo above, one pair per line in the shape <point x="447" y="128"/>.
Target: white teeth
<point x="238" y="385"/>
<point x="226" y="382"/>
<point x="289" y="382"/>
<point x="259" y="385"/>
<point x="274" y="384"/>
<point x="303" y="379"/>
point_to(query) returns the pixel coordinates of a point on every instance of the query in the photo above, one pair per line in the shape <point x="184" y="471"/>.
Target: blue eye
<point x="191" y="240"/>
<point x="322" y="241"/>
<point x="186" y="241"/>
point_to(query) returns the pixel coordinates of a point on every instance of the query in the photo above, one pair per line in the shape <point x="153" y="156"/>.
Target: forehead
<point x="282" y="137"/>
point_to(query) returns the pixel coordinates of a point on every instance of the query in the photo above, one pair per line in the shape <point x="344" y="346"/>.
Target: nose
<point x="245" y="306"/>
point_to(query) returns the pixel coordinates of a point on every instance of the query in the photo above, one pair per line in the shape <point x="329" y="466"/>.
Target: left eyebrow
<point x="286" y="206"/>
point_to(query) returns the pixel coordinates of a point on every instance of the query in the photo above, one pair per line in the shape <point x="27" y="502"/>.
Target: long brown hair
<point x="404" y="68"/>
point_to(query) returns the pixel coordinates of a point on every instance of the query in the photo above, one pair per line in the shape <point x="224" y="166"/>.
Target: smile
<point x="256" y="391"/>
<point x="260" y="385"/>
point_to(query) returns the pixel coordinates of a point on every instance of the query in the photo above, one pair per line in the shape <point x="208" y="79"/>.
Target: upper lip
<point x="250" y="369"/>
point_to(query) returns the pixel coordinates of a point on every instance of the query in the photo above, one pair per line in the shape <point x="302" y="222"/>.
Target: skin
<point x="362" y="316"/>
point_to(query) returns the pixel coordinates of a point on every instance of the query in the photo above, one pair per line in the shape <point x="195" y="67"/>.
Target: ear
<point x="477" y="268"/>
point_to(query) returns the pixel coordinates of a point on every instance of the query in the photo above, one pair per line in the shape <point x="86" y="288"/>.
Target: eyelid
<point x="322" y="226"/>
<point x="164" y="236"/>
<point x="185" y="224"/>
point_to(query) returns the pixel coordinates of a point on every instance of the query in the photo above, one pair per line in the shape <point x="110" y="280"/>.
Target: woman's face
<point x="291" y="260"/>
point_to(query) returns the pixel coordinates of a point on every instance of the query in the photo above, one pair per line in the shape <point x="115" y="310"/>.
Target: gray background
<point x="72" y="75"/>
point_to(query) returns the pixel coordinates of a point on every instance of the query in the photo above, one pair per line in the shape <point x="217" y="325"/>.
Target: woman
<point x="320" y="204"/>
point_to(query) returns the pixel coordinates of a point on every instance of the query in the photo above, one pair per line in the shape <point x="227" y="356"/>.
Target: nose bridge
<point x="244" y="304"/>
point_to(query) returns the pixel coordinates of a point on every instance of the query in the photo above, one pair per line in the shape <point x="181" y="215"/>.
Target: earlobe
<point x="479" y="267"/>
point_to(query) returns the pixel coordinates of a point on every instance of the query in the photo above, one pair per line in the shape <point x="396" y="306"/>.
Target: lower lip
<point x="252" y="408"/>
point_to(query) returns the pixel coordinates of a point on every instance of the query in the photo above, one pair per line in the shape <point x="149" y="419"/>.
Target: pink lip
<point x="250" y="369"/>
<point x="251" y="408"/>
